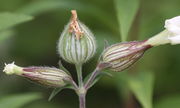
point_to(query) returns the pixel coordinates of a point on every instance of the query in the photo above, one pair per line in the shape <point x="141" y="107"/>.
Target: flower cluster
<point x="77" y="45"/>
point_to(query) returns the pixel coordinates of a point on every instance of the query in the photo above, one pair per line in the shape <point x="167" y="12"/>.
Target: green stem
<point x="91" y="78"/>
<point x="81" y="91"/>
<point x="95" y="73"/>
<point x="79" y="74"/>
<point x="82" y="101"/>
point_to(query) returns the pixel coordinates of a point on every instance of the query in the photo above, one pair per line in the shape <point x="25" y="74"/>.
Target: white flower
<point x="174" y="39"/>
<point x="173" y="27"/>
<point x="171" y="34"/>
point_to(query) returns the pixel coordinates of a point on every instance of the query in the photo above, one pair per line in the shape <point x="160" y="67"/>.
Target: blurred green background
<point x="30" y="29"/>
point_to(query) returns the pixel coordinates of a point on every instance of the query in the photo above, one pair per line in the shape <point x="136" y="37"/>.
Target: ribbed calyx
<point x="122" y="55"/>
<point x="47" y="76"/>
<point x="77" y="43"/>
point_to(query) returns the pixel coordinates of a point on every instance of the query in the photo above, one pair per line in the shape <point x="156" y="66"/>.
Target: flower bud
<point x="47" y="76"/>
<point x="76" y="44"/>
<point x="122" y="55"/>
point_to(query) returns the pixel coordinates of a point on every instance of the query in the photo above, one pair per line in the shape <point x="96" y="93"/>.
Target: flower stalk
<point x="79" y="74"/>
<point x="82" y="101"/>
<point x="95" y="73"/>
<point x="91" y="79"/>
<point x="81" y="92"/>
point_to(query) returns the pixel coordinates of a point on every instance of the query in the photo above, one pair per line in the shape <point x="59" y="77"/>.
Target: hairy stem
<point x="91" y="79"/>
<point x="83" y="88"/>
<point x="79" y="74"/>
<point x="81" y="92"/>
<point x="82" y="101"/>
<point x="95" y="73"/>
<point x="74" y="85"/>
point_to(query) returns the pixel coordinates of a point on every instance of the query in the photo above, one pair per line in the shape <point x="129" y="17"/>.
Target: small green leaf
<point x="142" y="87"/>
<point x="55" y="92"/>
<point x="63" y="68"/>
<point x="126" y="11"/>
<point x="98" y="77"/>
<point x="18" y="100"/>
<point x="106" y="44"/>
<point x="11" y="19"/>
<point x="168" y="102"/>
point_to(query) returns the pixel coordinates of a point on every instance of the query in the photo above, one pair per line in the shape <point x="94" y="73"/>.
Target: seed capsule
<point x="47" y="76"/>
<point x="122" y="55"/>
<point x="76" y="44"/>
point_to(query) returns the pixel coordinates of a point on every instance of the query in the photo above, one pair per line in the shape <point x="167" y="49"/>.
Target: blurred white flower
<point x="171" y="34"/>
<point x="174" y="39"/>
<point x="173" y="27"/>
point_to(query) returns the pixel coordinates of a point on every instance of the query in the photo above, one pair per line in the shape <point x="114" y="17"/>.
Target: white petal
<point x="174" y="40"/>
<point x="173" y="25"/>
<point x="174" y="30"/>
<point x="175" y="20"/>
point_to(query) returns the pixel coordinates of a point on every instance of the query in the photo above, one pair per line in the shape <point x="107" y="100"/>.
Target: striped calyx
<point x="122" y="55"/>
<point x="77" y="43"/>
<point x="47" y="76"/>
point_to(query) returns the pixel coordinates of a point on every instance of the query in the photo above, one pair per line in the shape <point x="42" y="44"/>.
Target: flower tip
<point x="11" y="68"/>
<point x="8" y="69"/>
<point x="74" y="14"/>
